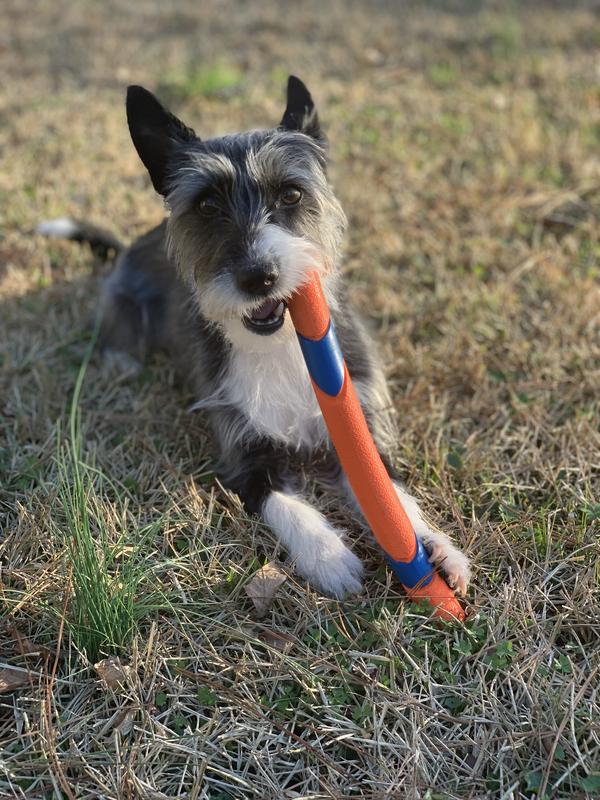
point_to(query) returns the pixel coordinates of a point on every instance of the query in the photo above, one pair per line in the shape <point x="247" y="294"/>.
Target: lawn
<point x="465" y="150"/>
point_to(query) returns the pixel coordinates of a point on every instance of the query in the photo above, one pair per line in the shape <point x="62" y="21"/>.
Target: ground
<point x="464" y="142"/>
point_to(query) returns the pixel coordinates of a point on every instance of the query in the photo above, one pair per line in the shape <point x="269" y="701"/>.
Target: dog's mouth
<point x="267" y="318"/>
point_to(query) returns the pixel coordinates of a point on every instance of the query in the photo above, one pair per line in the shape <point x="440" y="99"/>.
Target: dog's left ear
<point x="156" y="134"/>
<point x="300" y="113"/>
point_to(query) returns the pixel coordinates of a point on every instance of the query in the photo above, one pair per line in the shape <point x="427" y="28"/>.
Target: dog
<point x="250" y="216"/>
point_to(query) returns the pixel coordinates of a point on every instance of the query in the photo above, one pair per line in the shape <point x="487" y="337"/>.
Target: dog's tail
<point x="103" y="243"/>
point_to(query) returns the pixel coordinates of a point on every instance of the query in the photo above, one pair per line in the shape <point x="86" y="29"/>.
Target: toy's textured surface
<point x="358" y="454"/>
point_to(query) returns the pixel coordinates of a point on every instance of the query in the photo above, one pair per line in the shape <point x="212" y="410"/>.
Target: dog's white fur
<point x="61" y="228"/>
<point x="318" y="552"/>
<point x="442" y="551"/>
<point x="315" y="547"/>
<point x="295" y="255"/>
<point x="268" y="380"/>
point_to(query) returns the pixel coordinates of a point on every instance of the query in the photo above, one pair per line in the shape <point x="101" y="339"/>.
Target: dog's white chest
<point x="272" y="389"/>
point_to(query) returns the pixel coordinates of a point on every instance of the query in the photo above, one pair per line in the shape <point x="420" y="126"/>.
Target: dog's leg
<point x="263" y="481"/>
<point x="442" y="551"/>
<point x="121" y="335"/>
<point x="315" y="547"/>
<point x="135" y="300"/>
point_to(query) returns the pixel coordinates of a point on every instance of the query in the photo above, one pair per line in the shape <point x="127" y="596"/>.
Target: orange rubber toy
<point x="358" y="454"/>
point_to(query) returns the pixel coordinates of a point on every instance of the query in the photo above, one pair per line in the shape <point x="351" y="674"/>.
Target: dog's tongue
<point x="265" y="310"/>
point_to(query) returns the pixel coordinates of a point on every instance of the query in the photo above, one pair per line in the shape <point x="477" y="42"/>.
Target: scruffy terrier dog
<point x="251" y="214"/>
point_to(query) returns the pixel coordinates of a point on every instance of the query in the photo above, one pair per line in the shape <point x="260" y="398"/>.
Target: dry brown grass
<point x="465" y="142"/>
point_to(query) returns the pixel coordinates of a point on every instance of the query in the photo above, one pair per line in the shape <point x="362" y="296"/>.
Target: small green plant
<point x="443" y="75"/>
<point x="505" y="37"/>
<point x="104" y="607"/>
<point x="216" y="80"/>
<point x="206" y="697"/>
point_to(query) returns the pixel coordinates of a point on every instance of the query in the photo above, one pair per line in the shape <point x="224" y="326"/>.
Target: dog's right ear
<point x="156" y="133"/>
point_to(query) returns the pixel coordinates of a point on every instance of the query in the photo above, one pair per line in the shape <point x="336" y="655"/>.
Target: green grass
<point x="220" y="80"/>
<point x="107" y="561"/>
<point x="443" y="75"/>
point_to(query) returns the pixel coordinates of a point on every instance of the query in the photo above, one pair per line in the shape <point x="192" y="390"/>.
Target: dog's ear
<point x="300" y="113"/>
<point x="156" y="133"/>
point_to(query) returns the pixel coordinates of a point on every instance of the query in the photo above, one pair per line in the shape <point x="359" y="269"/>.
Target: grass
<point x="464" y="150"/>
<point x="106" y="562"/>
<point x="220" y="80"/>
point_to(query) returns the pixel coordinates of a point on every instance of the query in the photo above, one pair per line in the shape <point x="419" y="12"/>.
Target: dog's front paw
<point x="330" y="566"/>
<point x="121" y="364"/>
<point x="315" y="547"/>
<point x="453" y="562"/>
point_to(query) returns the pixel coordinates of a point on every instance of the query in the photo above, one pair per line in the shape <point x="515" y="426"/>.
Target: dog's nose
<point x="257" y="279"/>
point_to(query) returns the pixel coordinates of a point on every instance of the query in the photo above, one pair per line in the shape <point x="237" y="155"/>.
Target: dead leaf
<point x="123" y="550"/>
<point x="121" y="720"/>
<point x="264" y="585"/>
<point x="126" y="726"/>
<point x="113" y="673"/>
<point x="280" y="641"/>
<point x="11" y="679"/>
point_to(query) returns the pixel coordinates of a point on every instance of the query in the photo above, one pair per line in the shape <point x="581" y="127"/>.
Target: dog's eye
<point x="291" y="195"/>
<point x="208" y="206"/>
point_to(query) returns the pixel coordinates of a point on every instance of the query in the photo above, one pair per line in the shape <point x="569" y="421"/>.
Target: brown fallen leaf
<point x="113" y="672"/>
<point x="280" y="641"/>
<point x="126" y="726"/>
<point x="121" y="721"/>
<point x="11" y="679"/>
<point x="264" y="585"/>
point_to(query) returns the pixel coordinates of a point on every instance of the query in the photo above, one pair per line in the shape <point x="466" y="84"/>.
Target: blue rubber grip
<point x="410" y="573"/>
<point x="325" y="361"/>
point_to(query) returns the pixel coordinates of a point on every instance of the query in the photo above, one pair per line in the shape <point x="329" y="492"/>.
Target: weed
<point x="104" y="577"/>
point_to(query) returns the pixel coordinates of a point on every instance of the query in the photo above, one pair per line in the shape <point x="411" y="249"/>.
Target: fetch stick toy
<point x="358" y="454"/>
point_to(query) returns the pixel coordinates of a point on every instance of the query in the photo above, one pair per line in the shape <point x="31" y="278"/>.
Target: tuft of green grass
<point x="215" y="80"/>
<point x="105" y="572"/>
<point x="443" y="75"/>
<point x="505" y="37"/>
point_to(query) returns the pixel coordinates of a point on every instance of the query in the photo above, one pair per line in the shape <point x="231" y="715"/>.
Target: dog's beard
<point x="241" y="318"/>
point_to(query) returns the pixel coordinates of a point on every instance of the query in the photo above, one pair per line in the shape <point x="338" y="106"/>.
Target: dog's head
<point x="251" y="213"/>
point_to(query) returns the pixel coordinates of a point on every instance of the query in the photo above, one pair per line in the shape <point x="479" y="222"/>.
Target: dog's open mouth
<point x="267" y="318"/>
